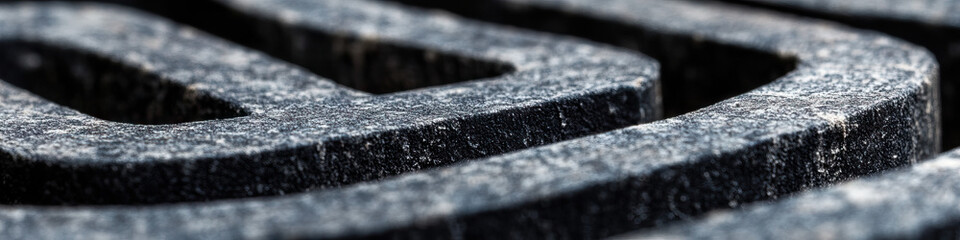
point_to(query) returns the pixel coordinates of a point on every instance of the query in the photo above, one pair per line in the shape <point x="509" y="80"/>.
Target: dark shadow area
<point x="367" y="65"/>
<point x="944" y="230"/>
<point x="694" y="73"/>
<point x="103" y="88"/>
<point x="942" y="41"/>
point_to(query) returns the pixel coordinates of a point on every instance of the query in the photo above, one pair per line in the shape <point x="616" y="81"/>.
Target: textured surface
<point x="856" y="103"/>
<point x="919" y="202"/>
<point x="300" y="132"/>
<point x="932" y="24"/>
<point x="915" y="203"/>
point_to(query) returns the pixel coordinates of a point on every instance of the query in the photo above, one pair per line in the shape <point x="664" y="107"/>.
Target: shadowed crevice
<point x="336" y="162"/>
<point x="368" y="65"/>
<point x="103" y="88"/>
<point x="695" y="73"/>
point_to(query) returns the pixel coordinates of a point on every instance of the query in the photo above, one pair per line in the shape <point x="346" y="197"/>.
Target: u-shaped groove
<point x="931" y="25"/>
<point x="855" y="98"/>
<point x="698" y="77"/>
<point x="303" y="133"/>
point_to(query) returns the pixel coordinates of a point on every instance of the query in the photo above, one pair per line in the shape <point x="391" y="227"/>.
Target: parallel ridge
<point x="761" y="106"/>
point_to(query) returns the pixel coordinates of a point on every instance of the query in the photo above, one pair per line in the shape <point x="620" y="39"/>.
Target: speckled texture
<point x="933" y="24"/>
<point x="857" y="103"/>
<point x="919" y="202"/>
<point x="302" y="132"/>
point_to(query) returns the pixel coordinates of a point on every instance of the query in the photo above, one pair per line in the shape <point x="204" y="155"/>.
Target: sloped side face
<point x="919" y="202"/>
<point x="853" y="99"/>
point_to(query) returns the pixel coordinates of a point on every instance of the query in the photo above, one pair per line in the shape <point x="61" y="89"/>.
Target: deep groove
<point x="102" y="88"/>
<point x="395" y="152"/>
<point x="943" y="42"/>
<point x="694" y="73"/>
<point x="367" y="65"/>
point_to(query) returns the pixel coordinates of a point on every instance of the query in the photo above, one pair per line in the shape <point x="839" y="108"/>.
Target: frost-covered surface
<point x="858" y="103"/>
<point x="919" y="202"/>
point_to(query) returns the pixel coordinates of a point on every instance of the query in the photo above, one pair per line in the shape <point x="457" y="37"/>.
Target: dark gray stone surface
<point x="857" y="103"/>
<point x="933" y="24"/>
<point x="297" y="131"/>
<point x="919" y="202"/>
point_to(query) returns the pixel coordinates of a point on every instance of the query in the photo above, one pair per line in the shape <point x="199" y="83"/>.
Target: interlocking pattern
<point x="349" y="119"/>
